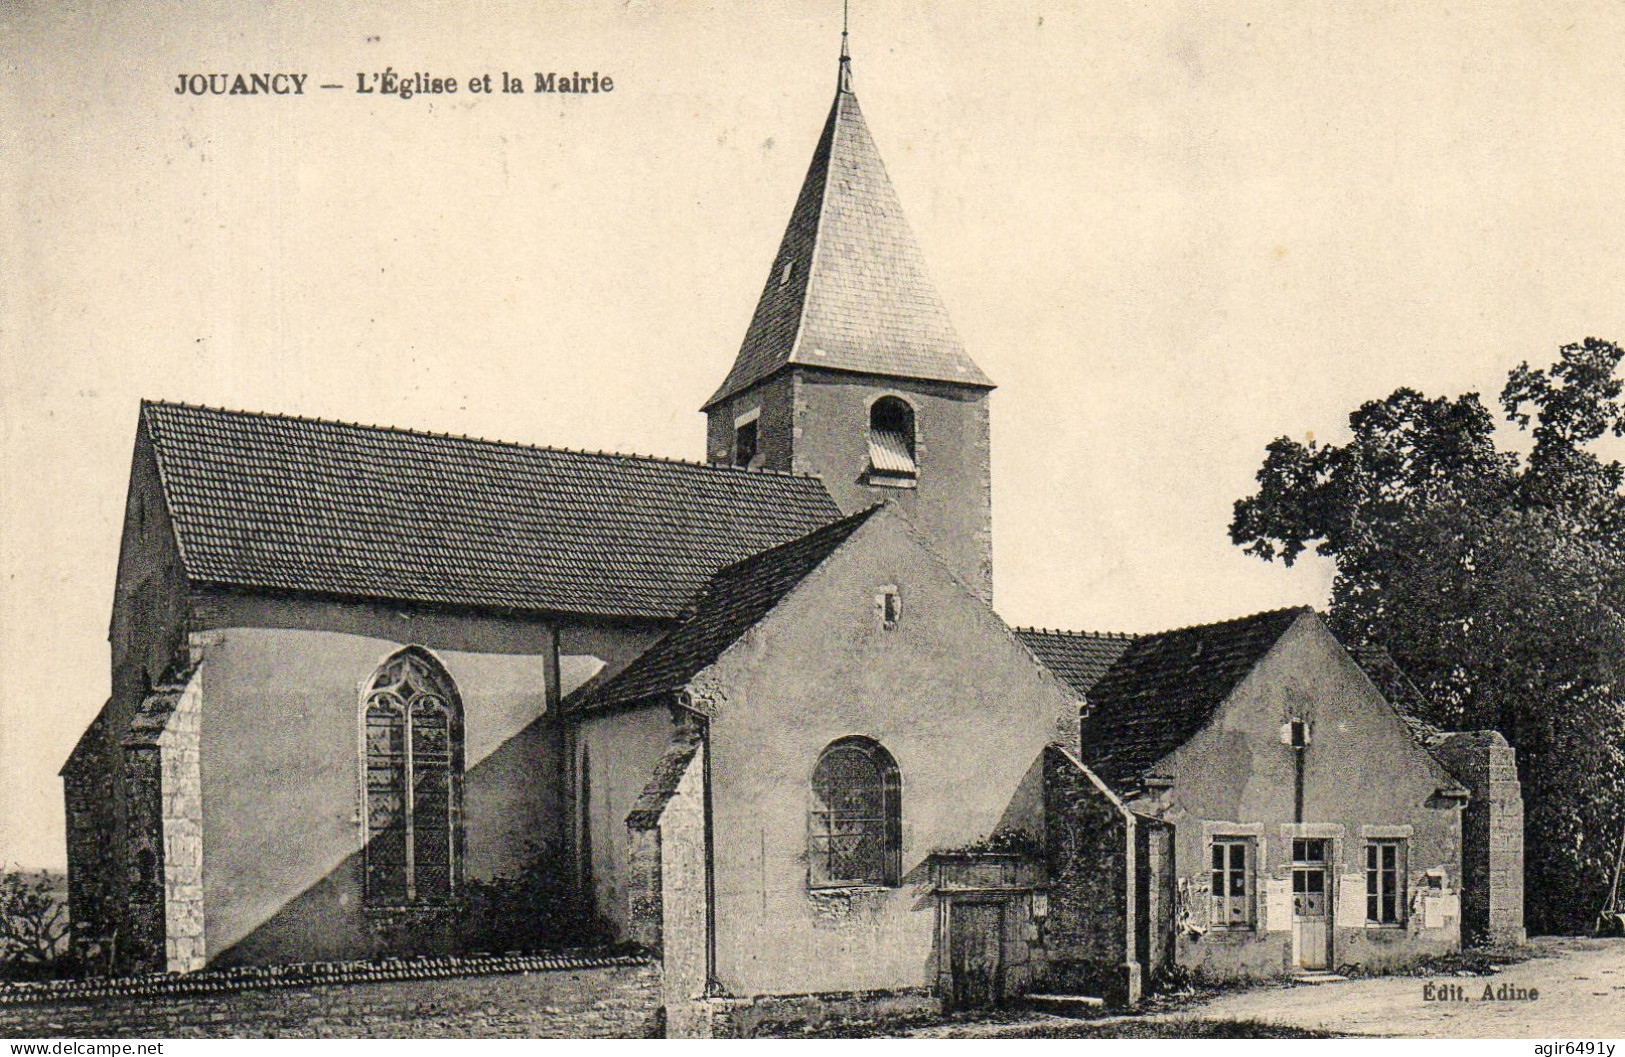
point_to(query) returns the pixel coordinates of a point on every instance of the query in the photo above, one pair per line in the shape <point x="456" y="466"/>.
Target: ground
<point x="1581" y="985"/>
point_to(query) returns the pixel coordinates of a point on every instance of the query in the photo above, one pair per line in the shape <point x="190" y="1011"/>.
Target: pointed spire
<point x="844" y="82"/>
<point x="848" y="288"/>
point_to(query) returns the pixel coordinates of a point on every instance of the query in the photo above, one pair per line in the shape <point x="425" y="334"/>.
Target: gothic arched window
<point x="855" y="830"/>
<point x="891" y="440"/>
<point x="413" y="756"/>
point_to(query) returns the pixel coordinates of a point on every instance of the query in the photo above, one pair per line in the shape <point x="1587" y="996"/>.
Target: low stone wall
<point x="616" y="997"/>
<point x="777" y="1015"/>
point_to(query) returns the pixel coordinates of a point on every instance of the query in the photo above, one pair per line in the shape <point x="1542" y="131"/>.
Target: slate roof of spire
<point x="283" y="503"/>
<point x="848" y="288"/>
<point x="732" y="603"/>
<point x="1165" y="687"/>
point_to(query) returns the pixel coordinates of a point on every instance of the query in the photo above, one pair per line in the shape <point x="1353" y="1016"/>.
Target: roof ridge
<point x="1282" y="610"/>
<point x="818" y="239"/>
<point x="439" y="435"/>
<point x="1102" y="636"/>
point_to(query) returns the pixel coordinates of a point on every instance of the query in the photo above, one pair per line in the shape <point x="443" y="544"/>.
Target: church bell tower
<point x="851" y="369"/>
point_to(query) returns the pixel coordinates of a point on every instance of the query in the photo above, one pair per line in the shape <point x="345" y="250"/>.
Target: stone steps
<point x="1065" y="1005"/>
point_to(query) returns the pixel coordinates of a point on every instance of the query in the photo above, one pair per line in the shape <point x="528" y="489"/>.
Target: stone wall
<point x="1090" y="933"/>
<point x="619" y="1001"/>
<point x="817" y="422"/>
<point x="780" y="1015"/>
<point x="108" y="849"/>
<point x="1491" y="835"/>
<point x="669" y="907"/>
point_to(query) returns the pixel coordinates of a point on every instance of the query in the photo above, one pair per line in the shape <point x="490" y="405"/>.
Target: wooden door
<point x="975" y="942"/>
<point x="1311" y="904"/>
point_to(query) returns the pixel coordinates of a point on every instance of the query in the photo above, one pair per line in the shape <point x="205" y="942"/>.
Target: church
<point x="380" y="691"/>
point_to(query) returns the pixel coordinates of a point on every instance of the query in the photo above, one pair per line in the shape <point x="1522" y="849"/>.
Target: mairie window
<point x="1231" y="885"/>
<point x="1385" y="882"/>
<point x="855" y="827"/>
<point x="413" y="736"/>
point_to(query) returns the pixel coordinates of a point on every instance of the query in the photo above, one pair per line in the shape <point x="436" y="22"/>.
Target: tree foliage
<point x="33" y="920"/>
<point x="1497" y="581"/>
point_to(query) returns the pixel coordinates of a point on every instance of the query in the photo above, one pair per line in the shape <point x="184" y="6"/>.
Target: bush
<point x="33" y="926"/>
<point x="533" y="909"/>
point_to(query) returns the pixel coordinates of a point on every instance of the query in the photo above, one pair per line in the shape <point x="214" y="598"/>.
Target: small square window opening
<point x="746" y="451"/>
<point x="889" y="607"/>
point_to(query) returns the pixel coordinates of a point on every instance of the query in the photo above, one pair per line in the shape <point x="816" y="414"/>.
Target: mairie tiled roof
<point x="1165" y="687"/>
<point x="1405" y="697"/>
<point x="1397" y="687"/>
<point x="848" y="288"/>
<point x="1079" y="658"/>
<point x="283" y="503"/>
<point x="730" y="604"/>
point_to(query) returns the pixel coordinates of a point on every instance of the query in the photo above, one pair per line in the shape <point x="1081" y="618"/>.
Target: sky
<point x="1169" y="231"/>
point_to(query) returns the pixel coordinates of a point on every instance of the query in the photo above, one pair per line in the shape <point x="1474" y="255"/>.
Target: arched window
<point x="413" y="756"/>
<point x="891" y="440"/>
<point x="855" y="830"/>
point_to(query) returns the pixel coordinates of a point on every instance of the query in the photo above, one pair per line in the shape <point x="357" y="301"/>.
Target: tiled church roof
<point x="276" y="502"/>
<point x="1079" y="658"/>
<point x="1165" y="687"/>
<point x="734" y="601"/>
<point x="849" y="288"/>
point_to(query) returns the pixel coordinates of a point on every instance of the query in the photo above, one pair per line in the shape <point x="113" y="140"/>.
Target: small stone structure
<point x="1491" y="835"/>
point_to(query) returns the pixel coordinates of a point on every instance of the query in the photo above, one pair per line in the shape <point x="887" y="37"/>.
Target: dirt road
<point x="1581" y="986"/>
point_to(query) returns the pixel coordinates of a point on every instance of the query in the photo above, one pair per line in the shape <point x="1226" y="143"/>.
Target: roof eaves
<point x="165" y="487"/>
<point x="618" y="616"/>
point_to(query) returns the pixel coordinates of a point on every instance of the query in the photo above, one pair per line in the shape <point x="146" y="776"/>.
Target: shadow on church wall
<point x="515" y="896"/>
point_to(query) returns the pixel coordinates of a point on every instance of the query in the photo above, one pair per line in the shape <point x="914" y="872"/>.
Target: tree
<point x="1497" y="583"/>
<point x="33" y="919"/>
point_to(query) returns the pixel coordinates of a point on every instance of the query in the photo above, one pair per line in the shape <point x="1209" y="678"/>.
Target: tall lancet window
<point x="413" y="760"/>
<point x="891" y="441"/>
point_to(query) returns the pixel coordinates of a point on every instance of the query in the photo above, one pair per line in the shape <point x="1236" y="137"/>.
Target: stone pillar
<point x="183" y="833"/>
<point x="1491" y="835"/>
<point x="163" y="919"/>
<point x="644" y="891"/>
<point x="94" y="886"/>
<point x="668" y="883"/>
<point x="140" y="939"/>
